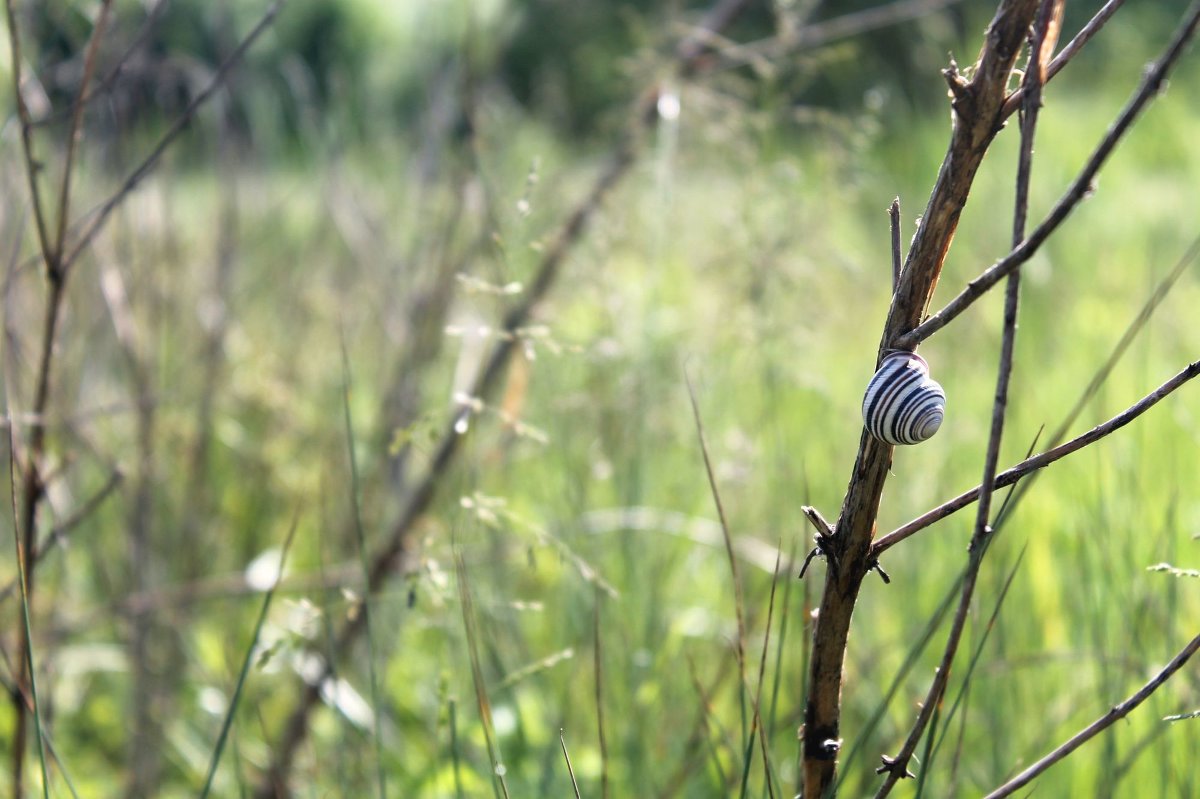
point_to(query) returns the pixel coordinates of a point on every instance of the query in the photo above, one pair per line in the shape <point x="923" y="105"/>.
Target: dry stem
<point x="1079" y="189"/>
<point x="897" y="768"/>
<point x="1014" y="474"/>
<point x="1099" y="725"/>
<point x="977" y="106"/>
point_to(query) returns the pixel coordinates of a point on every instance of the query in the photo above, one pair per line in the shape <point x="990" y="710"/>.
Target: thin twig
<point x="897" y="768"/>
<point x="567" y="758"/>
<point x="1011" y="476"/>
<point x="1097" y="726"/>
<point x="1014" y="474"/>
<point x="103" y="85"/>
<point x="836" y="29"/>
<point x="963" y="697"/>
<point x="60" y="531"/>
<point x="977" y="102"/>
<point x="1067" y="53"/>
<point x="1139" y="322"/>
<point x="99" y="216"/>
<point x="32" y="166"/>
<point x="598" y="674"/>
<point x="1080" y="188"/>
<point x="75" y="131"/>
<point x="897" y="262"/>
<point x="33" y="481"/>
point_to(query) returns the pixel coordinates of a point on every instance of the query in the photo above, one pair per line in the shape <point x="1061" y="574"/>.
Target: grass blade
<point x="499" y="786"/>
<point x="366" y="570"/>
<point x="598" y="672"/>
<point x="241" y="681"/>
<point x="738" y="604"/>
<point x="454" y="757"/>
<point x="567" y="757"/>
<point x="22" y="574"/>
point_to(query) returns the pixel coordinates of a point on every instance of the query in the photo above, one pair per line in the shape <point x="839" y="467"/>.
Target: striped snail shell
<point x="904" y="405"/>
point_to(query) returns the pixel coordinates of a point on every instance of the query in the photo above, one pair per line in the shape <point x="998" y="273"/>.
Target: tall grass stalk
<point x="498" y="781"/>
<point x="365" y="560"/>
<point x="735" y="578"/>
<point x="247" y="661"/>
<point x="27" y="650"/>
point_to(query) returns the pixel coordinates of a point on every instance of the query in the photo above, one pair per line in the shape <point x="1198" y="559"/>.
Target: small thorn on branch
<point x="894" y="217"/>
<point x="823" y="540"/>
<point x="874" y="566"/>
<point x="889" y="766"/>
<point x="959" y="86"/>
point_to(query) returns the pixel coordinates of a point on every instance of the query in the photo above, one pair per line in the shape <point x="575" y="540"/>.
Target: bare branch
<point x="99" y="216"/>
<point x="1079" y="189"/>
<point x="897" y="256"/>
<point x="98" y="88"/>
<point x="74" y="133"/>
<point x="836" y="29"/>
<point x="976" y="105"/>
<point x="1099" y="725"/>
<point x="32" y="166"/>
<point x="897" y="768"/>
<point x="1070" y="51"/>
<point x="1025" y="467"/>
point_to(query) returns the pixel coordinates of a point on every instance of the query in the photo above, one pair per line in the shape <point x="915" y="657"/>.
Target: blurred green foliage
<point x="362" y="65"/>
<point x="748" y="248"/>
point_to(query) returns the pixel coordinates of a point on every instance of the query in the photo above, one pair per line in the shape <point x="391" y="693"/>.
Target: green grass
<point x="755" y="260"/>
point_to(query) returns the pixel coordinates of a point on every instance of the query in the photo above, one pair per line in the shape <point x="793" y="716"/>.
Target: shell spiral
<point x="903" y="405"/>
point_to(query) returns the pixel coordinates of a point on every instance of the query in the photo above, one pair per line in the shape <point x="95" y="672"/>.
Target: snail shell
<point x="904" y="405"/>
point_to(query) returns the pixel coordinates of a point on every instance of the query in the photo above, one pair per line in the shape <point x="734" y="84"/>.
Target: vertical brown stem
<point x="31" y="496"/>
<point x="977" y="105"/>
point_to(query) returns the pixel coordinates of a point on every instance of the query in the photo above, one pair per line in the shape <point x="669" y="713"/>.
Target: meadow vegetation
<point x="278" y="323"/>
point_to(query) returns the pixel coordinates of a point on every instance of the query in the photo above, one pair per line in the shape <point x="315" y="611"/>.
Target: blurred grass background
<point x="378" y="173"/>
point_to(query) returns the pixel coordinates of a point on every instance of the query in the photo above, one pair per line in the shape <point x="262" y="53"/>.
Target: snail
<point x="904" y="405"/>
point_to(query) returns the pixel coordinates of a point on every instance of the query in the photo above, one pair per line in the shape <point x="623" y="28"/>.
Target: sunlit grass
<point x="763" y="271"/>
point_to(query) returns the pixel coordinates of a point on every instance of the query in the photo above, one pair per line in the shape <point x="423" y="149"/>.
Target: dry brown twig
<point x="1080" y="188"/>
<point x="980" y="106"/>
<point x="32" y="488"/>
<point x="977" y="104"/>
<point x="1045" y="26"/>
<point x="1114" y="715"/>
<point x="1040" y="461"/>
<point x="57" y="258"/>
